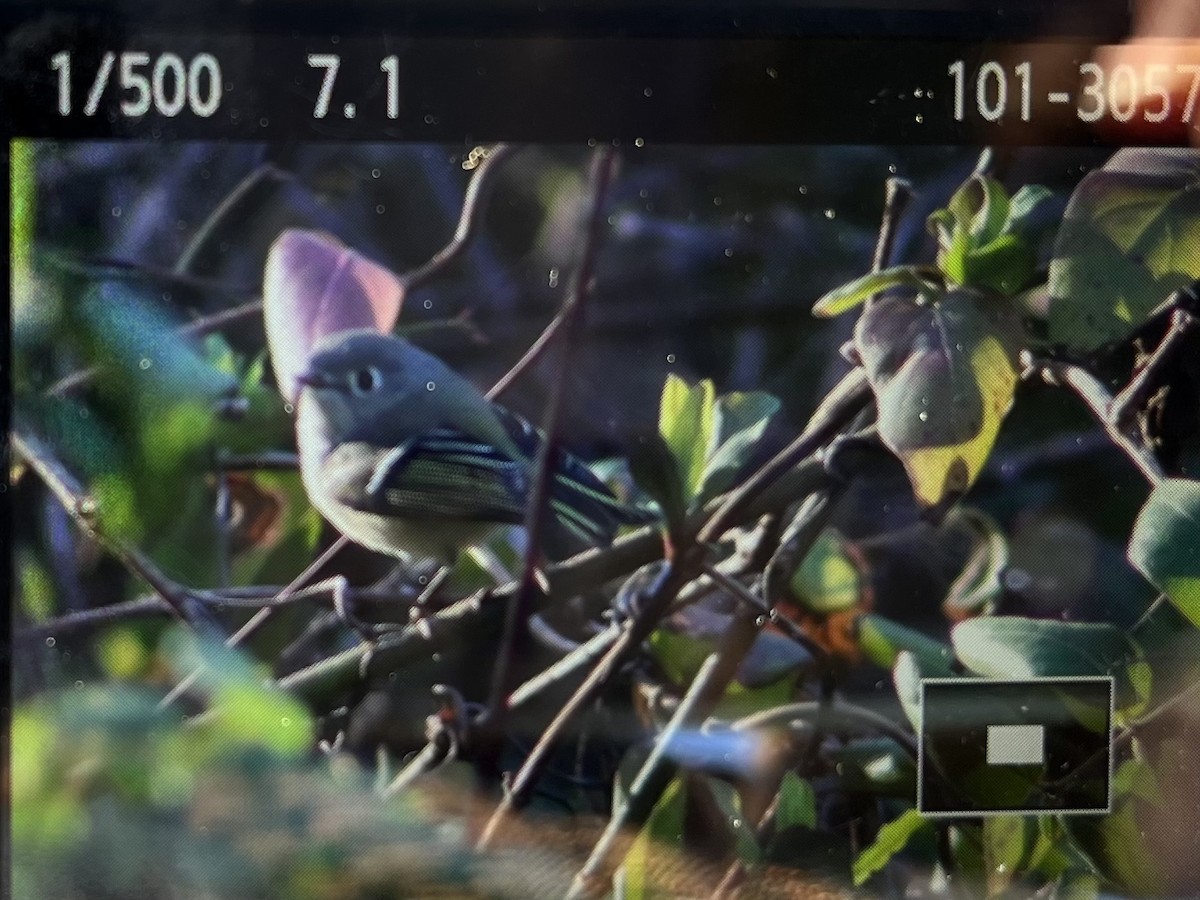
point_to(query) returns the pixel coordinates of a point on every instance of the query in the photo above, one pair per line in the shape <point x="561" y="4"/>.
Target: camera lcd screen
<point x="532" y="464"/>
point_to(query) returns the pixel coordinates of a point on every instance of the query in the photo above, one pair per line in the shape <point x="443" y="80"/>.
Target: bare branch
<point x="260" y="618"/>
<point x="1099" y="401"/>
<point x="469" y="221"/>
<point x="235" y="203"/>
<point x="520" y="604"/>
<point x="1135" y="394"/>
<point x="82" y="509"/>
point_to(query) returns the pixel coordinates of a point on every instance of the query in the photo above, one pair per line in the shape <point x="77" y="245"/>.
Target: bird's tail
<point x="586" y="513"/>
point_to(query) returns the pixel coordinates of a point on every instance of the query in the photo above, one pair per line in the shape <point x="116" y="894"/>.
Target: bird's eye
<point x="363" y="381"/>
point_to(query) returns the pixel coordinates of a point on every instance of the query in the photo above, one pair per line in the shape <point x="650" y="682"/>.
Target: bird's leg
<point x="343" y="607"/>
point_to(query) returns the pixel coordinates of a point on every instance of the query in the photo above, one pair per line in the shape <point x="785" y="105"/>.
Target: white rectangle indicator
<point x="1059" y="97"/>
<point x="1016" y="745"/>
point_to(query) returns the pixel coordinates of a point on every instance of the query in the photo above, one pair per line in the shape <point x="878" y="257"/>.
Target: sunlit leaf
<point x="853" y="293"/>
<point x="741" y="419"/>
<point x="882" y="640"/>
<point x="943" y="369"/>
<point x="314" y="286"/>
<point x="1128" y="239"/>
<point x="688" y="423"/>
<point x="797" y="803"/>
<point x="1165" y="543"/>
<point x="1014" y="647"/>
<point x="662" y="832"/>
<point x="891" y="839"/>
<point x="827" y="579"/>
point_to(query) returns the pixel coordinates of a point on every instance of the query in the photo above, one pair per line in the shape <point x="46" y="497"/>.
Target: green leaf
<point x="1005" y="265"/>
<point x="1165" y="544"/>
<point x="1015" y="647"/>
<point x="687" y="422"/>
<point x="990" y="219"/>
<point x="1026" y="212"/>
<point x="977" y="588"/>
<point x="943" y="370"/>
<point x="741" y="419"/>
<point x="1127" y="241"/>
<point x="1118" y="845"/>
<point x="679" y="655"/>
<point x="729" y="802"/>
<point x="906" y="678"/>
<point x="1076" y="885"/>
<point x="1007" y="842"/>
<point x="663" y="829"/>
<point x="891" y="839"/>
<point x="827" y="580"/>
<point x="882" y="640"/>
<point x="853" y="293"/>
<point x="1135" y="777"/>
<point x="656" y="471"/>
<point x="797" y="803"/>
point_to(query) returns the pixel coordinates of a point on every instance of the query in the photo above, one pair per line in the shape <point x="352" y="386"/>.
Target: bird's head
<point x="355" y="376"/>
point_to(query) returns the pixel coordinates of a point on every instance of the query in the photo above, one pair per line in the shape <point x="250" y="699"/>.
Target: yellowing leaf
<point x="944" y="369"/>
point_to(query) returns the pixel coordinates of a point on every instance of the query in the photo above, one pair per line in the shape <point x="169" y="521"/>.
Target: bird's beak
<point x="312" y="379"/>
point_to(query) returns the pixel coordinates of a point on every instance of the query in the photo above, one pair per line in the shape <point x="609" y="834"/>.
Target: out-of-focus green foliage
<point x="112" y="795"/>
<point x="890" y="840"/>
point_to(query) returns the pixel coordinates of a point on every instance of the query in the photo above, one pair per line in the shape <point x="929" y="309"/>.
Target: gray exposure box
<point x="1015" y="747"/>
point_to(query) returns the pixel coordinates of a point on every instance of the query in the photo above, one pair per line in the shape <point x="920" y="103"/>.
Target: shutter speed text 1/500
<point x="169" y="85"/>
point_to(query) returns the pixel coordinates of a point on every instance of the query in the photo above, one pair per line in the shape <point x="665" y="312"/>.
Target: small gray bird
<point x="408" y="458"/>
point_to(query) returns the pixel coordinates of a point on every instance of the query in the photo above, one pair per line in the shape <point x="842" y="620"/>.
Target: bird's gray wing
<point x="442" y="475"/>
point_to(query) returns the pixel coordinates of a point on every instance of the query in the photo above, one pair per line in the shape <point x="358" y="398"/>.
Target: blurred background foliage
<point x="712" y="262"/>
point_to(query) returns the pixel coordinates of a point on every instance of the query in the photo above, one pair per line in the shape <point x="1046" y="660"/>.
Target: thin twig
<point x="233" y="204"/>
<point x="469" y="220"/>
<point x="323" y="680"/>
<point x="81" y="507"/>
<point x="583" y="655"/>
<point x="259" y="619"/>
<point x="684" y="716"/>
<point x="267" y="461"/>
<point x="530" y="357"/>
<point x="235" y="315"/>
<point x="1135" y="394"/>
<point x="838" y="712"/>
<point x="425" y="760"/>
<point x="1099" y="401"/>
<point x="537" y="507"/>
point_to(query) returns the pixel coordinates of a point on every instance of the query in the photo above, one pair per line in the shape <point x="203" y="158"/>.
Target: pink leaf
<point x="313" y="286"/>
